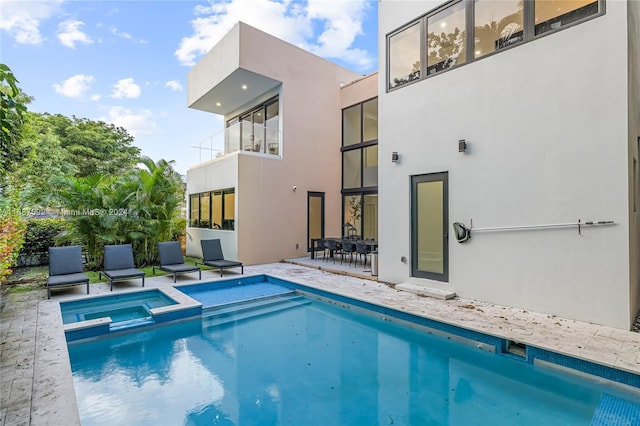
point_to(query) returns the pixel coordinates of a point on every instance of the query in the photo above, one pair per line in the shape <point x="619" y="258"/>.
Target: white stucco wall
<point x="213" y="175"/>
<point x="633" y="24"/>
<point x="547" y="127"/>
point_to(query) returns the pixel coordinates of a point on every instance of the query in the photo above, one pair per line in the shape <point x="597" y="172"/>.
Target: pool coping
<point x="183" y="308"/>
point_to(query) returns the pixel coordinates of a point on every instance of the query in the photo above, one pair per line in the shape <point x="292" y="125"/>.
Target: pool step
<point x="248" y="309"/>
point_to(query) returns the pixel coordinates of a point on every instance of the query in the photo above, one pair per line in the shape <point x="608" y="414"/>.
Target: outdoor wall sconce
<point x="294" y="188"/>
<point x="395" y="157"/>
<point x="462" y="146"/>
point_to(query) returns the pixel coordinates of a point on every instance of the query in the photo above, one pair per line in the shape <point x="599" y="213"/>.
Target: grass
<point x="35" y="277"/>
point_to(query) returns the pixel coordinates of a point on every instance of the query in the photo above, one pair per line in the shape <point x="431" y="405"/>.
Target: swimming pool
<point x="302" y="359"/>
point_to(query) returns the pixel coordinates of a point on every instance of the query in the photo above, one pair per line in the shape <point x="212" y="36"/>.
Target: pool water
<point x="122" y="307"/>
<point x="294" y="360"/>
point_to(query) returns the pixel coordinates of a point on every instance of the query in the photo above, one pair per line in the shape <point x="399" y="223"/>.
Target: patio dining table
<point x="372" y="244"/>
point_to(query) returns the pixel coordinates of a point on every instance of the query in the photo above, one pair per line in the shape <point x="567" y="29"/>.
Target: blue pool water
<point x="121" y="307"/>
<point x="295" y="360"/>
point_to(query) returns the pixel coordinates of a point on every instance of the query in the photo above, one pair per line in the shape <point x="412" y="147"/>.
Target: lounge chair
<point x="118" y="264"/>
<point x="212" y="256"/>
<point x="65" y="268"/>
<point x="171" y="260"/>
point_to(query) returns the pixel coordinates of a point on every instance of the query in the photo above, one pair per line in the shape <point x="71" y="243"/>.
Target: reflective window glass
<point x="554" y="14"/>
<point x="370" y="120"/>
<point x="404" y="56"/>
<point x="229" y="210"/>
<point x="216" y="210"/>
<point x="370" y="166"/>
<point x="205" y="210"/>
<point x="370" y="217"/>
<point x="498" y="24"/>
<point x="352" y="215"/>
<point x="351" y="130"/>
<point x="351" y="169"/>
<point x="194" y="212"/>
<point x="272" y="129"/>
<point x="446" y="38"/>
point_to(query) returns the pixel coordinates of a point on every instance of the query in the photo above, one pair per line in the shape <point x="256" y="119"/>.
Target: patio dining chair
<point x="65" y="268"/>
<point x="172" y="261"/>
<point x="118" y="264"/>
<point x="349" y="247"/>
<point x="335" y="249"/>
<point x="362" y="250"/>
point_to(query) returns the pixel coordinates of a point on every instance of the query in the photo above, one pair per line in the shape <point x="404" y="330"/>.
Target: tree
<point x="12" y="107"/>
<point x="94" y="146"/>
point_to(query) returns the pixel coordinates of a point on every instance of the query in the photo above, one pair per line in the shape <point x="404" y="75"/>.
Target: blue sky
<point x="126" y="62"/>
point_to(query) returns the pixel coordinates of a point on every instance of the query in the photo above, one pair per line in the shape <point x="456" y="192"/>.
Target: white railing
<point x="240" y="136"/>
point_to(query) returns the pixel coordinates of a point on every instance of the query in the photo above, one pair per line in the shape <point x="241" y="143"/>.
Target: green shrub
<point x="41" y="234"/>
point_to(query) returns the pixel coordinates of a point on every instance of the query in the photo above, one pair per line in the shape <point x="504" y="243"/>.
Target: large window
<point x="446" y="38"/>
<point x="462" y="31"/>
<point x="256" y="130"/>
<point x="404" y="56"/>
<point x="360" y="169"/>
<point x="213" y="209"/>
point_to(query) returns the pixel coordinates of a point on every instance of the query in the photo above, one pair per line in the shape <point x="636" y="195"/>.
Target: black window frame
<point x="529" y="34"/>
<point x="226" y="225"/>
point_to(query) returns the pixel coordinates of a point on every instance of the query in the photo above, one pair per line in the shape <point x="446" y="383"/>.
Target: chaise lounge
<point x="172" y="261"/>
<point x="65" y="268"/>
<point x="118" y="264"/>
<point x="212" y="256"/>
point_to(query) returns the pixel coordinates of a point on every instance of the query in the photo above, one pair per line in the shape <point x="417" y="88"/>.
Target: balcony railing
<point x="241" y="136"/>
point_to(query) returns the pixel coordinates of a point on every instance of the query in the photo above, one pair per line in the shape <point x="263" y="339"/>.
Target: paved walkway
<point x="36" y="387"/>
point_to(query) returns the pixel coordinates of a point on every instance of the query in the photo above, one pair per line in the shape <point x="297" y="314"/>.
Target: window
<point x="351" y="169"/>
<point x="370" y="120"/>
<point x="360" y="169"/>
<point x="446" y="38"/>
<point x="351" y="125"/>
<point x="256" y="130"/>
<point x="404" y="56"/>
<point x="498" y="24"/>
<point x="554" y="14"/>
<point x="462" y="31"/>
<point x="205" y="210"/>
<point x="213" y="209"/>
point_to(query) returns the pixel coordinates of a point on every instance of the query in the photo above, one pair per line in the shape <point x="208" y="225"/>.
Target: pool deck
<point x="36" y="386"/>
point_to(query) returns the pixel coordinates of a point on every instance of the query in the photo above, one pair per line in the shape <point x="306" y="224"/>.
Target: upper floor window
<point x="256" y="130"/>
<point x="404" y="56"/>
<point x="462" y="31"/>
<point x="446" y="38"/>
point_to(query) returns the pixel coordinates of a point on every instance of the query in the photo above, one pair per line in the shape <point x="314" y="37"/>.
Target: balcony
<point x="242" y="136"/>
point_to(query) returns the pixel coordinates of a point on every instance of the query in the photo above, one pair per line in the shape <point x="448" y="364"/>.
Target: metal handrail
<point x="579" y="224"/>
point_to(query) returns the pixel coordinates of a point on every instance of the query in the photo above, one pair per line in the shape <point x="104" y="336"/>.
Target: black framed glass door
<point x="429" y="226"/>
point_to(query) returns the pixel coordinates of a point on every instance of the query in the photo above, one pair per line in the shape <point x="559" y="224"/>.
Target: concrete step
<point x="421" y="290"/>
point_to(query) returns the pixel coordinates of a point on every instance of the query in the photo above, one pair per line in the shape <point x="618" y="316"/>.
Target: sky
<point x="126" y="62"/>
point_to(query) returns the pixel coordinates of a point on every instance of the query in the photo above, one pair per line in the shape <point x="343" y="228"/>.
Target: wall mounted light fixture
<point x="395" y="157"/>
<point x="462" y="145"/>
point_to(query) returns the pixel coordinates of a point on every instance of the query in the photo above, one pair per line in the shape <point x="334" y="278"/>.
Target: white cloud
<point x="69" y="34"/>
<point x="74" y="87"/>
<point x="126" y="88"/>
<point x="114" y="30"/>
<point x="22" y="19"/>
<point x="174" y="85"/>
<point x="341" y="22"/>
<point x="135" y="123"/>
<point x="95" y="97"/>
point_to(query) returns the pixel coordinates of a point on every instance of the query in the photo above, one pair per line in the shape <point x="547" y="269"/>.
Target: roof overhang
<point x="233" y="91"/>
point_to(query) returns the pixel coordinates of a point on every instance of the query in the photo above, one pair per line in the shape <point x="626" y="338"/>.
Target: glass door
<point x="315" y="217"/>
<point x="429" y="226"/>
